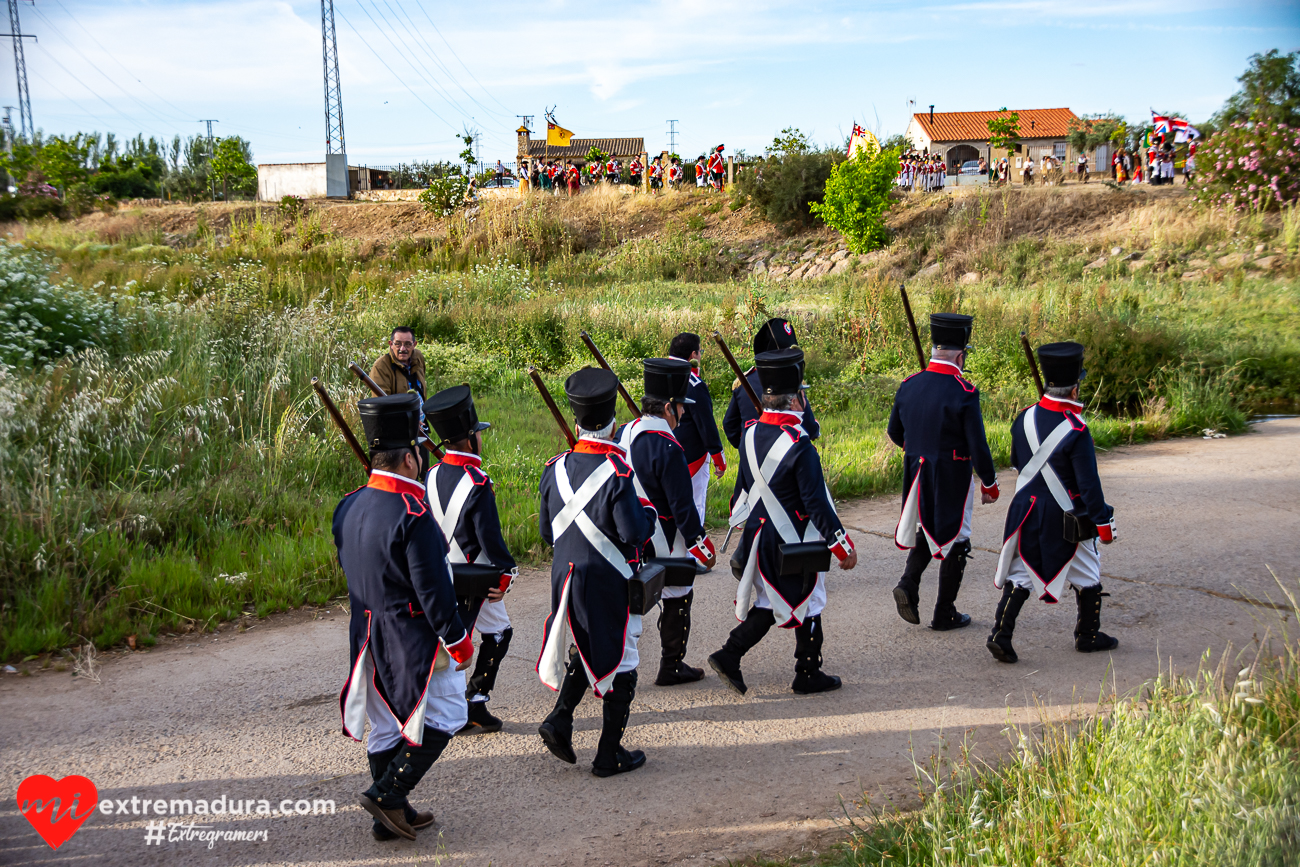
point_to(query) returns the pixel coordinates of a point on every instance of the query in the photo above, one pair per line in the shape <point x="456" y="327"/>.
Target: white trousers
<point x="445" y="710"/>
<point x="492" y="619"/>
<point x="964" y="534"/>
<point x="816" y="603"/>
<point x="1083" y="570"/>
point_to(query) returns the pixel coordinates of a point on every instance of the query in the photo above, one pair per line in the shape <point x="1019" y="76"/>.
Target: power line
<point x="91" y="90"/>
<point x="429" y="50"/>
<point x="334" y="141"/>
<point x="392" y="72"/>
<point x="20" y="69"/>
<point x="457" y="56"/>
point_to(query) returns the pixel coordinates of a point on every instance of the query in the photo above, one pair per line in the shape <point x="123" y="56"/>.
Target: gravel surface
<point x="254" y="715"/>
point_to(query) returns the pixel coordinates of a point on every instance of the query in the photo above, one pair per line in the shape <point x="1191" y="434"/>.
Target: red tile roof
<point x="974" y="125"/>
<point x="580" y="147"/>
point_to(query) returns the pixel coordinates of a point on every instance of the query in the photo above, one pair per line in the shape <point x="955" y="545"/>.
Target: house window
<point x="1059" y="150"/>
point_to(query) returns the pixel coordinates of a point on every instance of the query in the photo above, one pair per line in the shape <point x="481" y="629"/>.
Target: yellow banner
<point x="558" y="135"/>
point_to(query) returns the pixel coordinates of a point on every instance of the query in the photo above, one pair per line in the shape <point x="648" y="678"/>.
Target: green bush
<point x="788" y="185"/>
<point x="445" y="195"/>
<point x="857" y="197"/>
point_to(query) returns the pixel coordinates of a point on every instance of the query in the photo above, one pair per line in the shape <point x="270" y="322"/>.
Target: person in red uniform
<point x="717" y="168"/>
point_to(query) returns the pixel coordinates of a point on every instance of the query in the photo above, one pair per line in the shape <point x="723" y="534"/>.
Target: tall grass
<point x="1189" y="771"/>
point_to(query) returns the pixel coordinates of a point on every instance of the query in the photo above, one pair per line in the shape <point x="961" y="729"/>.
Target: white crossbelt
<point x="1038" y="463"/>
<point x="449" y="518"/>
<point x="630" y="433"/>
<point x="761" y="488"/>
<point x="572" y="513"/>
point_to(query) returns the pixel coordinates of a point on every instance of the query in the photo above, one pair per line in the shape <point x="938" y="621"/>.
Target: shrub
<point x="39" y="321"/>
<point x="291" y="207"/>
<point x="856" y="199"/>
<point x="1249" y="165"/>
<point x="785" y="186"/>
<point x="445" y="195"/>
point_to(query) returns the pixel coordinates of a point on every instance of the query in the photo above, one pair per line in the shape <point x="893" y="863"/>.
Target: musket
<point x="379" y="392"/>
<point x="342" y="425"/>
<point x="550" y="403"/>
<point x="600" y="359"/>
<point x="740" y="374"/>
<point x="911" y="323"/>
<point x="1033" y="363"/>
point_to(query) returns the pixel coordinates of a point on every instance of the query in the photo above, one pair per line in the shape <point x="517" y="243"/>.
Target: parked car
<point x="970" y="167"/>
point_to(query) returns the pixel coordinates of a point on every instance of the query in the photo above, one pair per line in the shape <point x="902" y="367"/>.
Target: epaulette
<point x="1076" y="421"/>
<point x="476" y="475"/>
<point x="967" y="385"/>
<point x="414" y="505"/>
<point x="793" y="431"/>
<point x="621" y="467"/>
<point x="556" y="458"/>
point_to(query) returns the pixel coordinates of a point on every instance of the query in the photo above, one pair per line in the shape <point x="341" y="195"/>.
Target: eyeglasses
<point x="403" y="344"/>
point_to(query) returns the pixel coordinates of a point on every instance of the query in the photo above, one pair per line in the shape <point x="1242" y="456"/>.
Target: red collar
<point x="462" y="459"/>
<point x="937" y="366"/>
<point x="394" y="484"/>
<point x="780" y="419"/>
<point x="1056" y="404"/>
<point x="597" y="447"/>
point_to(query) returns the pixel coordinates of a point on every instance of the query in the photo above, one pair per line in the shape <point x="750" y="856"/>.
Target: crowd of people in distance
<point x="921" y="172"/>
<point x="556" y="176"/>
<point x="926" y="172"/>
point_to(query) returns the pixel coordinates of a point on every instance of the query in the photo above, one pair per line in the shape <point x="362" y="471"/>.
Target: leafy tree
<point x="232" y="165"/>
<point x="1088" y="133"/>
<point x="1270" y="91"/>
<point x="856" y="198"/>
<point x="468" y="137"/>
<point x="1004" y="132"/>
<point x="596" y="155"/>
<point x="789" y="184"/>
<point x="896" y="142"/>
<point x="127" y="177"/>
<point x="790" y="141"/>
<point x="63" y="160"/>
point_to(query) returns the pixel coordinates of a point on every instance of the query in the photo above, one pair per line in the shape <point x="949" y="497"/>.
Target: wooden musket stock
<point x="342" y="425"/>
<point x="911" y="323"/>
<point x="379" y="392"/>
<point x="600" y="359"/>
<point x="1033" y="364"/>
<point x="550" y="403"/>
<point x="740" y="374"/>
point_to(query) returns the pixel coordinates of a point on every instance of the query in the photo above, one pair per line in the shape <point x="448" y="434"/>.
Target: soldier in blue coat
<point x="409" y="647"/>
<point x="936" y="420"/>
<point x="663" y="481"/>
<point x="782" y="497"/>
<point x="590" y="513"/>
<point x="774" y="335"/>
<point x="698" y="432"/>
<point x="465" y="506"/>
<point x="1059" y="512"/>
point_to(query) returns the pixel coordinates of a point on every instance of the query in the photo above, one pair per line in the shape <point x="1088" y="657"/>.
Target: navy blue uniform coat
<point x="740" y="412"/>
<point x="698" y="430"/>
<point x="660" y="465"/>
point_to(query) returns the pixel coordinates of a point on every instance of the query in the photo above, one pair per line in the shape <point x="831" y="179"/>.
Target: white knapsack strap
<point x="630" y="433"/>
<point x="759" y="488"/>
<point x="448" y="519"/>
<point x="572" y="513"/>
<point x="1038" y="463"/>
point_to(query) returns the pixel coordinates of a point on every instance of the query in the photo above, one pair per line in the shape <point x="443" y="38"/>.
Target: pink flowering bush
<point x="1255" y="166"/>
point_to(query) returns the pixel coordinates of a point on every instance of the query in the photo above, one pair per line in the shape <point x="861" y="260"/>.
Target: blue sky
<point x="414" y="73"/>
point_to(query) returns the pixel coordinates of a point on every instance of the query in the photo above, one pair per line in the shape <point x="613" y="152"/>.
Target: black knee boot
<point x="674" y="630"/>
<point x="951" y="570"/>
<point x="490" y="654"/>
<point x="1087" y="637"/>
<point x="386" y="800"/>
<point x="809" y="677"/>
<point x="557" y="730"/>
<point x="418" y="820"/>
<point x="908" y="592"/>
<point x="726" y="662"/>
<point x="1004" y="624"/>
<point x="611" y="758"/>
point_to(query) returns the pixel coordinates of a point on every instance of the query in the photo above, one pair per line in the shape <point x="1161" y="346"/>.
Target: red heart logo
<point x="51" y="805"/>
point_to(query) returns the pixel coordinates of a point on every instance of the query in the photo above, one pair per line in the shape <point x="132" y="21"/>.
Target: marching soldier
<point x="401" y="369"/>
<point x="717" y="167"/>
<point x="698" y="431"/>
<point x="591" y="515"/>
<point x="464" y="505"/>
<point x="783" y="491"/>
<point x="634" y="172"/>
<point x="700" y="171"/>
<point x="936" y="421"/>
<point x="675" y="173"/>
<point x="775" y="334"/>
<point x="405" y="628"/>
<point x="663" y="480"/>
<point x="656" y="174"/>
<point x="1058" y="512"/>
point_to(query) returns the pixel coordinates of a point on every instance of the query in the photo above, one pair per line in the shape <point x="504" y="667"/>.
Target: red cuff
<point x="990" y="490"/>
<point x="703" y="549"/>
<point x="841" y="546"/>
<point x="720" y="461"/>
<point x="1106" y="532"/>
<point x="463" y="650"/>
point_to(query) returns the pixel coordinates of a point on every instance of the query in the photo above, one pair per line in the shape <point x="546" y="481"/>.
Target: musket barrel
<point x="342" y="425"/>
<point x="600" y="359"/>
<point x="1033" y="364"/>
<point x="740" y="374"/>
<point x="911" y="324"/>
<point x="550" y="403"/>
<point x="379" y="392"/>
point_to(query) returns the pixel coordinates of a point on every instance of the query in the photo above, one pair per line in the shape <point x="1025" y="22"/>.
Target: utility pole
<point x="212" y="182"/>
<point x="672" y="136"/>
<point x="20" y="67"/>
<point x="9" y="129"/>
<point x="336" y="151"/>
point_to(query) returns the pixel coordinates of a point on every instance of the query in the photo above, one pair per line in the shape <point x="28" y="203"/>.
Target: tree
<point x="791" y="141"/>
<point x="896" y="142"/>
<point x="231" y="164"/>
<point x="1088" y="133"/>
<point x="467" y="156"/>
<point x="1004" y="132"/>
<point x="856" y="198"/>
<point x="63" y="160"/>
<point x="1270" y="91"/>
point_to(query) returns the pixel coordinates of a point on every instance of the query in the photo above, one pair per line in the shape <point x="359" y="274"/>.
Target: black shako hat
<point x="780" y="371"/>
<point x="592" y="394"/>
<point x="451" y="414"/>
<point x="667" y="379"/>
<point x="950" y="330"/>
<point x="1062" y="364"/>
<point x="390" y="422"/>
<point x="774" y="334"/>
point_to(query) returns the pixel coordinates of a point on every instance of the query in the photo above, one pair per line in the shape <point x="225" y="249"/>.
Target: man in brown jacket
<point x="401" y="369"/>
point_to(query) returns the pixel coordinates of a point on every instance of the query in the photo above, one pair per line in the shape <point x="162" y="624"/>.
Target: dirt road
<point x="254" y="715"/>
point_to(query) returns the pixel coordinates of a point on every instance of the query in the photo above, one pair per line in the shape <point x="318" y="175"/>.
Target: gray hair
<point x="1061" y="391"/>
<point x="946" y="354"/>
<point x="778" y="402"/>
<point x="605" y="433"/>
